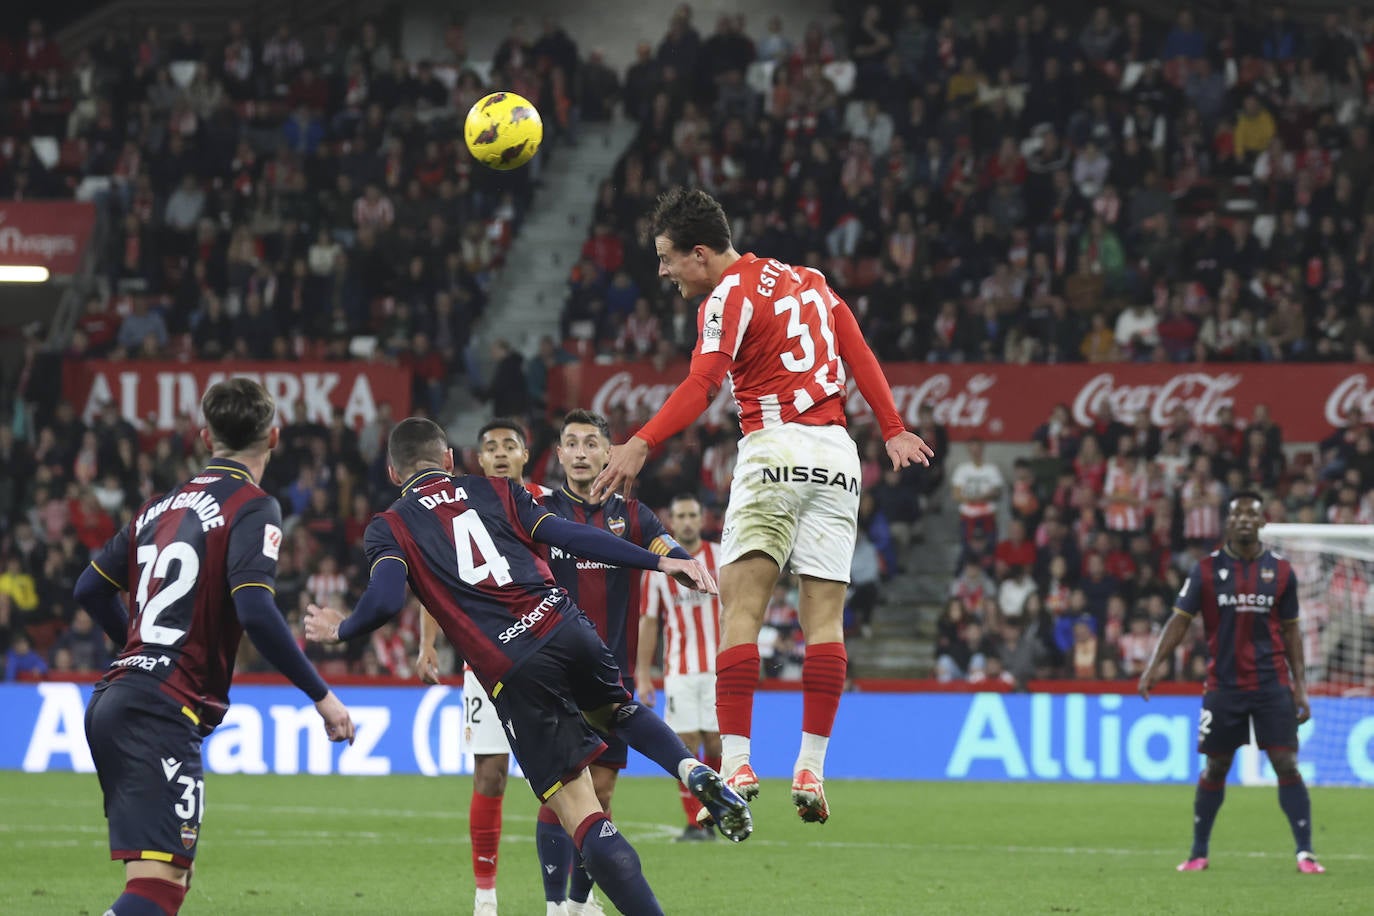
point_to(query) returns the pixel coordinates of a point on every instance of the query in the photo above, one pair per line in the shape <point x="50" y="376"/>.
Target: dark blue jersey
<point x="609" y="595"/>
<point x="470" y="558"/>
<point x="1243" y="605"/>
<point x="181" y="559"/>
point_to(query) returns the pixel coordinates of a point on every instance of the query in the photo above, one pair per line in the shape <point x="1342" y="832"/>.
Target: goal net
<point x="1335" y="568"/>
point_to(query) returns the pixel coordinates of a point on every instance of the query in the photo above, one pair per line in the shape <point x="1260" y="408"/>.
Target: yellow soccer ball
<point x="503" y="130"/>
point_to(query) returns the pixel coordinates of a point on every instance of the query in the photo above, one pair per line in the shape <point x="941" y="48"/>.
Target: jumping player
<point x="466" y="546"/>
<point x="200" y="563"/>
<point x="691" y="631"/>
<point x="1248" y="598"/>
<point x="784" y="338"/>
<point x="501" y="452"/>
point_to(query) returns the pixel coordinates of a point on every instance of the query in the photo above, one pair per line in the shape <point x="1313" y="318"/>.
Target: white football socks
<point x="812" y="754"/>
<point x="734" y="753"/>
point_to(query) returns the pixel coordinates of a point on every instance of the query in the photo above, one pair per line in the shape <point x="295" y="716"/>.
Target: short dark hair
<point x="685" y="498"/>
<point x="415" y="441"/>
<point x="239" y="413"/>
<point x="1247" y="494"/>
<point x="590" y="418"/>
<point x="691" y="217"/>
<point x="503" y="423"/>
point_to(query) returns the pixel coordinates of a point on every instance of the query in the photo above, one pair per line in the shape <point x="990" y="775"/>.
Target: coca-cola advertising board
<point x="153" y="395"/>
<point x="45" y="233"/>
<point x="1007" y="403"/>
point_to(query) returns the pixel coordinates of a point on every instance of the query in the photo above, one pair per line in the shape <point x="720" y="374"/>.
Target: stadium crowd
<point x="281" y="196"/>
<point x="1015" y="188"/>
<point x="1000" y="189"/>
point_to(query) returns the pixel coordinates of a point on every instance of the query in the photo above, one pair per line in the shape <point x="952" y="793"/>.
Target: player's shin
<point x="1297" y="806"/>
<point x="614" y="865"/>
<point x="555" y="850"/>
<point x="823" y="674"/>
<point x="484" y="829"/>
<point x="737" y="677"/>
<point x="1206" y="803"/>
<point x="644" y="731"/>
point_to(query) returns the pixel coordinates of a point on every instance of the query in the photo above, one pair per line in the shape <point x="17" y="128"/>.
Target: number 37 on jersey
<point x="777" y="323"/>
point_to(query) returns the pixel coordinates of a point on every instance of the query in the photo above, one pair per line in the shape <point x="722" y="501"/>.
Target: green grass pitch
<point x="301" y="845"/>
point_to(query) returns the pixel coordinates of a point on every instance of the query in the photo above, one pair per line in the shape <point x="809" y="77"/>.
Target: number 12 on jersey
<point x="478" y="558"/>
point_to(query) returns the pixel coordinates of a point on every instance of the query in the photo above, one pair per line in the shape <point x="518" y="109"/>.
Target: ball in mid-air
<point x="503" y="130"/>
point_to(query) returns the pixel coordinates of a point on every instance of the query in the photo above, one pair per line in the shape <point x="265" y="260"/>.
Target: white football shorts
<point x="795" y="496"/>
<point x="691" y="700"/>
<point x="482" y="731"/>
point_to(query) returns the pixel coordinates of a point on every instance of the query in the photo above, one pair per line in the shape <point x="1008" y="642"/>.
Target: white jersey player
<point x="690" y="622"/>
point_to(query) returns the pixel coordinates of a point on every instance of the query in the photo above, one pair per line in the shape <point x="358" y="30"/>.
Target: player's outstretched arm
<point x="594" y="544"/>
<point x="903" y="446"/>
<point x="427" y="659"/>
<point x="267" y="629"/>
<point x="683" y="407"/>
<point x="1169" y="640"/>
<point x="383" y="600"/>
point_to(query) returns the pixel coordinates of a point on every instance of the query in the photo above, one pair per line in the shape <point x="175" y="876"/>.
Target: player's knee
<point x="611" y="855"/>
<point x="1217" y="768"/>
<point x="1285" y="763"/>
<point x="489" y="776"/>
<point x="604" y="718"/>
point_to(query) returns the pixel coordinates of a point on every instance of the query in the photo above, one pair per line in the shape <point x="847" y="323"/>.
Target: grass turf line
<point x="398" y="844"/>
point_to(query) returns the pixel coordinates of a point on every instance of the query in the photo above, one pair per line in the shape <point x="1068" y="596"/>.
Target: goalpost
<point x="1335" y="569"/>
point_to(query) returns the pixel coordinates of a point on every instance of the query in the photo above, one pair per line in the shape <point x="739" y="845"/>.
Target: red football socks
<point x="737" y="677"/>
<point x="484" y="828"/>
<point x="823" y="672"/>
<point x="165" y="895"/>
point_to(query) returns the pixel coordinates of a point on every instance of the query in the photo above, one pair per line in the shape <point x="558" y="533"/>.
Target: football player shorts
<point x="691" y="702"/>
<point x="1226" y="716"/>
<point x="147" y="755"/>
<point x="540" y="705"/>
<point x="795" y="496"/>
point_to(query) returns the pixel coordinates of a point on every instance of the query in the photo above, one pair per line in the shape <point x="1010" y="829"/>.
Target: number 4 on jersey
<point x="474" y="544"/>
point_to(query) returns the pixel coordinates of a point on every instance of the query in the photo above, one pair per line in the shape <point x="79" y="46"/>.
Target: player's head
<point x="684" y="518"/>
<point x="690" y="233"/>
<point x="501" y="449"/>
<point x="1244" y="517"/>
<point x="238" y="418"/>
<point x="417" y="444"/>
<point x="584" y="446"/>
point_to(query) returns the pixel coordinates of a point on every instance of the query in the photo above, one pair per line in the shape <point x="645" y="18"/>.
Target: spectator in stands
<point x="977" y="487"/>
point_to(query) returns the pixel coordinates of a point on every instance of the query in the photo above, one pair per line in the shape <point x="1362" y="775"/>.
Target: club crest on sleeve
<point x="188" y="835"/>
<point x="1267" y="575"/>
<point x="617" y="526"/>
<point x="271" y="542"/>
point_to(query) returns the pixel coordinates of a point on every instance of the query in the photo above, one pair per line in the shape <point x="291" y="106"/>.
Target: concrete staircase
<point x="527" y="296"/>
<point x="901" y="644"/>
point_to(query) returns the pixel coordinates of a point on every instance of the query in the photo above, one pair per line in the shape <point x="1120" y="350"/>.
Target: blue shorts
<point x="147" y="755"/>
<point x="541" y="705"/>
<point x="1227" y="714"/>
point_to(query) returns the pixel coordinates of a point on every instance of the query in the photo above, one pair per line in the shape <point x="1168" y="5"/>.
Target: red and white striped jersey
<point x="691" y="619"/>
<point x="777" y="323"/>
<point x="1125" y="481"/>
<point x="1201" y="522"/>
